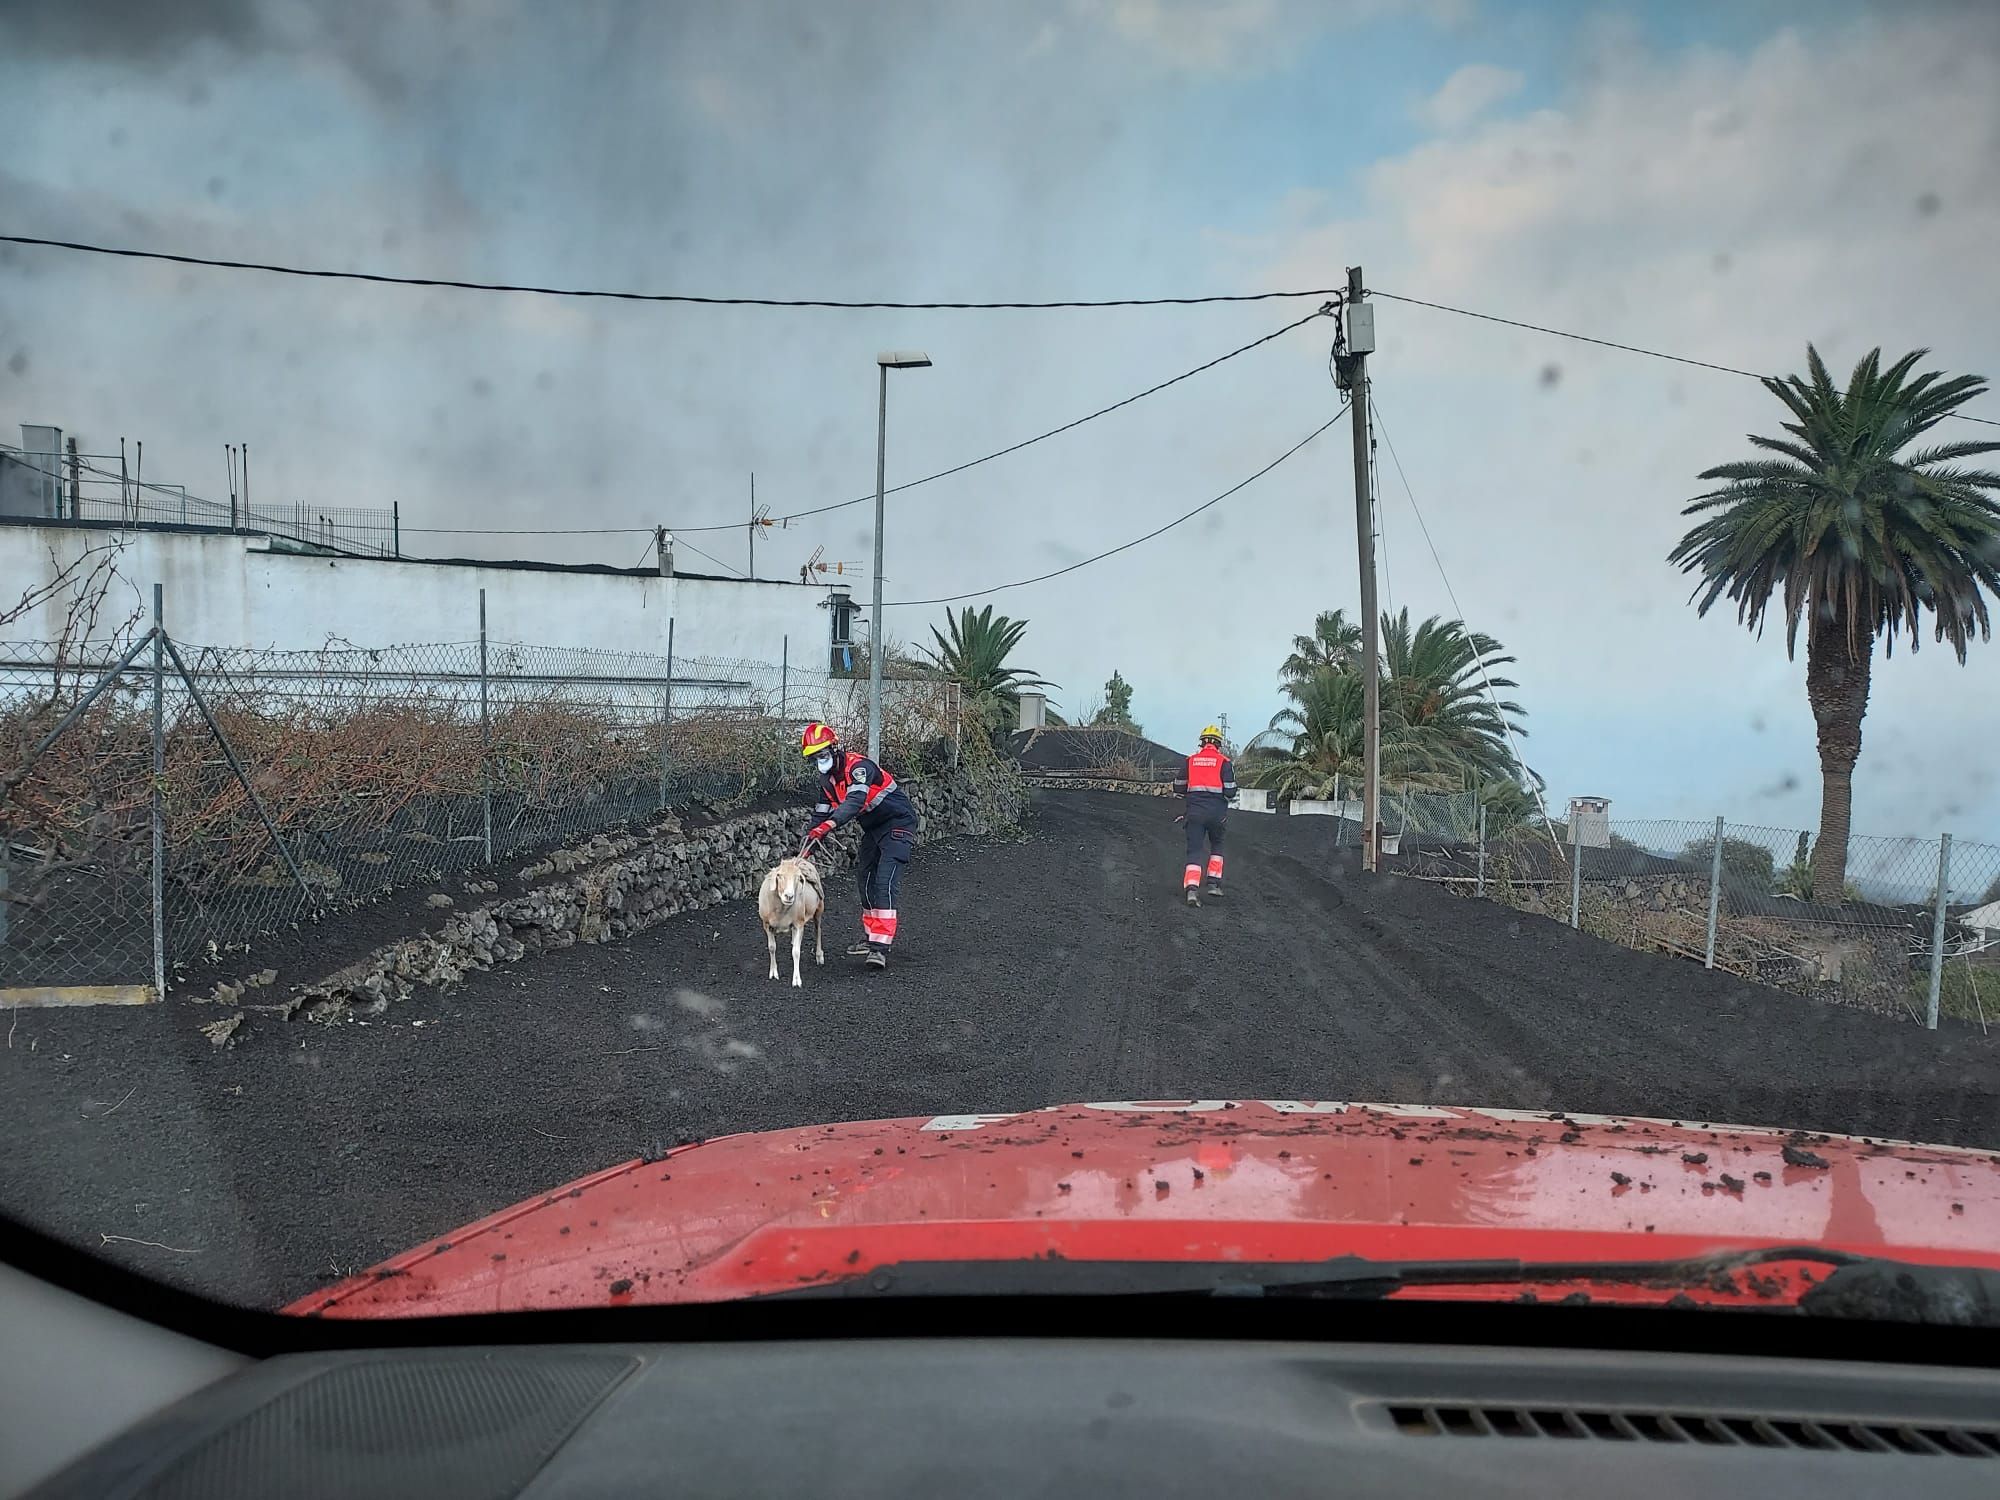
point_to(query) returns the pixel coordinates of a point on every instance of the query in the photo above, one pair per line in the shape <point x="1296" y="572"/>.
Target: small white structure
<point x="1590" y="822"/>
<point x="1034" y="711"/>
<point x="1254" y="799"/>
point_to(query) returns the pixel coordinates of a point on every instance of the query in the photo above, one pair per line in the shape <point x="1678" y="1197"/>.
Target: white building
<point x="263" y="592"/>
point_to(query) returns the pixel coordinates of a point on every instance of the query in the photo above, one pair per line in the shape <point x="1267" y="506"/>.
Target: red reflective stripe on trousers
<point x="878" y="925"/>
<point x="1215" y="867"/>
<point x="1193" y="876"/>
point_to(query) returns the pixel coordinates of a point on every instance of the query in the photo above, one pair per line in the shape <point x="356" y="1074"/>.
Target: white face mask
<point x="824" y="760"/>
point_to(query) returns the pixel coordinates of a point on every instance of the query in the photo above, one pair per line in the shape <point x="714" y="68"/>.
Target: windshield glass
<point x="1053" y="647"/>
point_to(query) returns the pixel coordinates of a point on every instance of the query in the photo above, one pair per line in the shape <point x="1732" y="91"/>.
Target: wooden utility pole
<point x="1352" y="366"/>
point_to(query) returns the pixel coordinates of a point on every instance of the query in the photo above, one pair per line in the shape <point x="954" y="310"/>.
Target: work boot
<point x="1215" y="889"/>
<point x="1193" y="896"/>
<point x="878" y="958"/>
<point x="859" y="950"/>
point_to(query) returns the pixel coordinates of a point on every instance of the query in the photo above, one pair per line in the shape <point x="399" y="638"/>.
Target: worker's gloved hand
<point x="818" y="831"/>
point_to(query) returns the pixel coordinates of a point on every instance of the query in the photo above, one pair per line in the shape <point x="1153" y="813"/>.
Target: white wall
<point x="233" y="591"/>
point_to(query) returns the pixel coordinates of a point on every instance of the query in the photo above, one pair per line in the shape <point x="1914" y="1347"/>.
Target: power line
<point x="820" y="510"/>
<point x="1513" y="740"/>
<point x="709" y="555"/>
<point x="1103" y="411"/>
<point x="1379" y="517"/>
<point x="1137" y="540"/>
<point x="1584" y="338"/>
<point x="452" y="284"/>
<point x="530" y="530"/>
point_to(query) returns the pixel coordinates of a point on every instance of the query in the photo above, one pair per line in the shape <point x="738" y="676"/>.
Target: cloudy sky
<point x="1727" y="181"/>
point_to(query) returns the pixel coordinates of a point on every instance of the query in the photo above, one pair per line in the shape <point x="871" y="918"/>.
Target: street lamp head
<point x="903" y="359"/>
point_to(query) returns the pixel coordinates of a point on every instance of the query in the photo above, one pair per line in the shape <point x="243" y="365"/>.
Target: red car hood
<point x="1206" y="1180"/>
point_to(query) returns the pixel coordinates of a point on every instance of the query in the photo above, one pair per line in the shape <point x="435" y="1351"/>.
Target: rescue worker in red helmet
<point x="1209" y="782"/>
<point x="854" y="789"/>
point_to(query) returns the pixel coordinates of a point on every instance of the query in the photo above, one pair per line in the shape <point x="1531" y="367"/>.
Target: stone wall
<point x="1101" y="784"/>
<point x="615" y="885"/>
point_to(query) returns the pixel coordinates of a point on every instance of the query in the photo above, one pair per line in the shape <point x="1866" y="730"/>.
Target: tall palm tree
<point x="976" y="651"/>
<point x="1863" y="533"/>
<point x="1333" y="644"/>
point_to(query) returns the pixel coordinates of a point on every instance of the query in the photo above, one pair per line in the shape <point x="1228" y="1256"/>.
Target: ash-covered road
<point x="1060" y="968"/>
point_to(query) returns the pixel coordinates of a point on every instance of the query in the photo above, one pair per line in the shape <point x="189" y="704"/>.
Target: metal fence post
<point x="1714" y="895"/>
<point x="667" y="710"/>
<point x="784" y="680"/>
<point x="159" y="812"/>
<point x="1480" y="888"/>
<point x="396" y="528"/>
<point x="485" y="742"/>
<point x="1575" y="873"/>
<point x="1937" y="930"/>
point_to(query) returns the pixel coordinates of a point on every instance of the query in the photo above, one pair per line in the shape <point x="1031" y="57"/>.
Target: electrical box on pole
<point x="1360" y="328"/>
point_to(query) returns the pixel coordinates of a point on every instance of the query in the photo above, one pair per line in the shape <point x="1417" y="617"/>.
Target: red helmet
<point x="817" y="739"/>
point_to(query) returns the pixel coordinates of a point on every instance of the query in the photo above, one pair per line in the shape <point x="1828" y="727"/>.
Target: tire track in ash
<point x="1105" y="1044"/>
<point x="1283" y="987"/>
<point x="1336" y="1017"/>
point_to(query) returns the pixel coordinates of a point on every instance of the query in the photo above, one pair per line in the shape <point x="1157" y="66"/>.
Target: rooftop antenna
<point x="758" y="518"/>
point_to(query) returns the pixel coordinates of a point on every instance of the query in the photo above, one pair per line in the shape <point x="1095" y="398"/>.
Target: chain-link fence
<point x="75" y="823"/>
<point x="275" y="786"/>
<point x="1913" y="929"/>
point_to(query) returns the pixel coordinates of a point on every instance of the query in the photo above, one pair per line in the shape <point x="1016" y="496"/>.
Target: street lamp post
<point x="900" y="359"/>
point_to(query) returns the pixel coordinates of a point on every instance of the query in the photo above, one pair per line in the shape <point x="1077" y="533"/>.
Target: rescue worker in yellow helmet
<point x="1209" y="782"/>
<point x="854" y="789"/>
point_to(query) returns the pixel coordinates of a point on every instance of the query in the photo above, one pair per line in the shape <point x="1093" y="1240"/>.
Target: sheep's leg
<point x="798" y="938"/>
<point x="771" y="942"/>
<point x="819" y="937"/>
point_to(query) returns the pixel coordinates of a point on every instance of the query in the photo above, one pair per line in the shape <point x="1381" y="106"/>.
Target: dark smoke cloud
<point x="131" y="30"/>
<point x="364" y="37"/>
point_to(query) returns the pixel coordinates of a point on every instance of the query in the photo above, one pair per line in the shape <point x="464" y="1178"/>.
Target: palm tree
<point x="1334" y="644"/>
<point x="1437" y="677"/>
<point x="1318" y="736"/>
<point x="1441" y="731"/>
<point x="976" y="652"/>
<point x="1862" y="535"/>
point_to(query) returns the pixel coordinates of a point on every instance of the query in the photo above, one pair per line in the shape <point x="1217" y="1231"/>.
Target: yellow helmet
<point x="1212" y="732"/>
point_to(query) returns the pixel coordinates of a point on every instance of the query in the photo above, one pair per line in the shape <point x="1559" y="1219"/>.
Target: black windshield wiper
<point x="1354" y="1276"/>
<point x="1856" y="1286"/>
